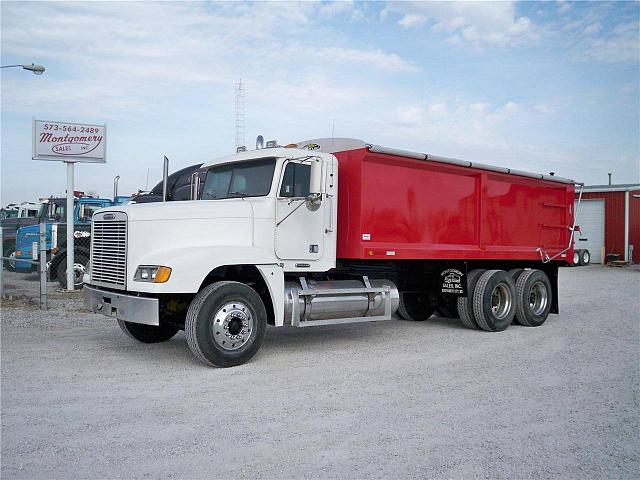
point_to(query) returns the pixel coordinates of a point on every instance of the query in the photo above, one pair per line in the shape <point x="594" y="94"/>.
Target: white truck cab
<point x="218" y="266"/>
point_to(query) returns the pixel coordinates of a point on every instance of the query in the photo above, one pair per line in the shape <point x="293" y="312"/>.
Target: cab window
<point x="87" y="210"/>
<point x="56" y="212"/>
<point x="295" y="181"/>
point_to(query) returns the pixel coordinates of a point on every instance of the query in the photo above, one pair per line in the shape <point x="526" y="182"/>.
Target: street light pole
<point x="36" y="69"/>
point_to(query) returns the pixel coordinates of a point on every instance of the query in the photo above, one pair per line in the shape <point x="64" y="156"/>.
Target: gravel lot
<point x="393" y="399"/>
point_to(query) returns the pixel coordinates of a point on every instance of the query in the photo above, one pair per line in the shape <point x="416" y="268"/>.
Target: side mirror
<point x="315" y="180"/>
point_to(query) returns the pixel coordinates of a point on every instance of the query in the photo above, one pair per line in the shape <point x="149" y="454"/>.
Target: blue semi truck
<point x="53" y="215"/>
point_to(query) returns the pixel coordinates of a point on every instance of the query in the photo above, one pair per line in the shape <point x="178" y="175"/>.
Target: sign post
<point x="71" y="284"/>
<point x="69" y="143"/>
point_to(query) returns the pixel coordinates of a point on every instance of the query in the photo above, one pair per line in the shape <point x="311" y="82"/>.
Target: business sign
<point x="69" y="142"/>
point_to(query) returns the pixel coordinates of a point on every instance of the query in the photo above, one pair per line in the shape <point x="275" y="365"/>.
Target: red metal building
<point x="609" y="217"/>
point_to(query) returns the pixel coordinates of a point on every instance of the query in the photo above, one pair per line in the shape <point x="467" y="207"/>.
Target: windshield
<point x="53" y="211"/>
<point x="241" y="179"/>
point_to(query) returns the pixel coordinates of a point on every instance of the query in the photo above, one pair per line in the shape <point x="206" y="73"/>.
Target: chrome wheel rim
<point x="585" y="257"/>
<point x="12" y="260"/>
<point x="232" y="326"/>
<point x="501" y="301"/>
<point x="576" y="258"/>
<point x="538" y="298"/>
<point x="78" y="272"/>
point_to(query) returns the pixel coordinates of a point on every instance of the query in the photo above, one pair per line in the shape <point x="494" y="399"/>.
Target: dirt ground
<point x="385" y="400"/>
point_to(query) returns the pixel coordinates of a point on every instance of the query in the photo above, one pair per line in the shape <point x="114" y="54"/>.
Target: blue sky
<point x="541" y="86"/>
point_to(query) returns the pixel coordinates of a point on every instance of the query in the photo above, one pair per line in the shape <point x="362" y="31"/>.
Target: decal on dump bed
<point x="453" y="282"/>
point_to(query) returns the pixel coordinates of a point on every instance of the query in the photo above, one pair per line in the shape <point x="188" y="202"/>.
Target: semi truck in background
<point x="14" y="216"/>
<point x="53" y="214"/>
<point x="178" y="187"/>
<point x="331" y="231"/>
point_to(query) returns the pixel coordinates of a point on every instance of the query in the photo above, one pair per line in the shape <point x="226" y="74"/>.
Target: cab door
<point x="299" y="227"/>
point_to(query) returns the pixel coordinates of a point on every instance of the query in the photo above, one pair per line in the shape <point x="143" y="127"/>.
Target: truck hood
<point x="26" y="235"/>
<point x="186" y="210"/>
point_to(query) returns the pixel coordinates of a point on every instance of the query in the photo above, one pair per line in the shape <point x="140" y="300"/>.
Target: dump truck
<point x="331" y="231"/>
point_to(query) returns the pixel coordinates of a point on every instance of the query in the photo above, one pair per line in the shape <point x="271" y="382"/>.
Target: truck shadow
<point x="284" y="340"/>
<point x="354" y="332"/>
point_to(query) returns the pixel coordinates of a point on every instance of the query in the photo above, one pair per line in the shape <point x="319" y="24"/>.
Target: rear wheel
<point x="533" y="298"/>
<point x="515" y="273"/>
<point x="79" y="267"/>
<point x="147" y="333"/>
<point x="465" y="304"/>
<point x="585" y="257"/>
<point x="225" y="324"/>
<point x="415" y="306"/>
<point x="494" y="300"/>
<point x="576" y="258"/>
<point x="445" y="311"/>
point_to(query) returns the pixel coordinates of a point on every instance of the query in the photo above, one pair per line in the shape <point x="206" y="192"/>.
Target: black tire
<point x="465" y="304"/>
<point x="147" y="333"/>
<point x="415" y="306"/>
<point x="576" y="258"/>
<point x="61" y="271"/>
<point x="9" y="250"/>
<point x="493" y="285"/>
<point x="585" y="257"/>
<point x="10" y="265"/>
<point x="445" y="312"/>
<point x="204" y="324"/>
<point x="533" y="298"/>
<point x="515" y="273"/>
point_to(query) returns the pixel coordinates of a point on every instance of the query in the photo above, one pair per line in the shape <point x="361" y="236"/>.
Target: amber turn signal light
<point x="162" y="275"/>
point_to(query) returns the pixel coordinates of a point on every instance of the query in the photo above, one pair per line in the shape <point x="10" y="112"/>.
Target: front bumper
<point x="123" y="307"/>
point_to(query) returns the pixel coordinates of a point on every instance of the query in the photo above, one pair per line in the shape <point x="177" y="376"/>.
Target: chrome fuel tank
<point x="338" y="299"/>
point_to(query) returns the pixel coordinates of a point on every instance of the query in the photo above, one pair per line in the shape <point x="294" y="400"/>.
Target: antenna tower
<point x="239" y="114"/>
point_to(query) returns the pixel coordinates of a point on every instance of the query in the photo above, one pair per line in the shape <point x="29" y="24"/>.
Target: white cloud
<point x="544" y="108"/>
<point x="619" y="45"/>
<point x="138" y="54"/>
<point x="412" y="20"/>
<point x="373" y="58"/>
<point x="593" y="28"/>
<point x="478" y="23"/>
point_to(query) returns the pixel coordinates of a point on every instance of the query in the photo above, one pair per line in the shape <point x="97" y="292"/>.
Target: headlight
<point x="152" y="273"/>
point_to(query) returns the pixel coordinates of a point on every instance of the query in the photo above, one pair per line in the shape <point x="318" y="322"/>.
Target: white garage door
<point x="591" y="220"/>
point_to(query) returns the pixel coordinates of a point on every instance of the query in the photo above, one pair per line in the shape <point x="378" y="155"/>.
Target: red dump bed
<point x="395" y="207"/>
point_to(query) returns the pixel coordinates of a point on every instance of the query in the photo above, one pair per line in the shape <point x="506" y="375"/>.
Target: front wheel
<point x="225" y="324"/>
<point x="10" y="263"/>
<point x="79" y="267"/>
<point x="9" y="252"/>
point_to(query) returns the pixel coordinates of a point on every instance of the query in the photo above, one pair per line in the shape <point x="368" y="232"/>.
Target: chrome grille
<point x="109" y="251"/>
